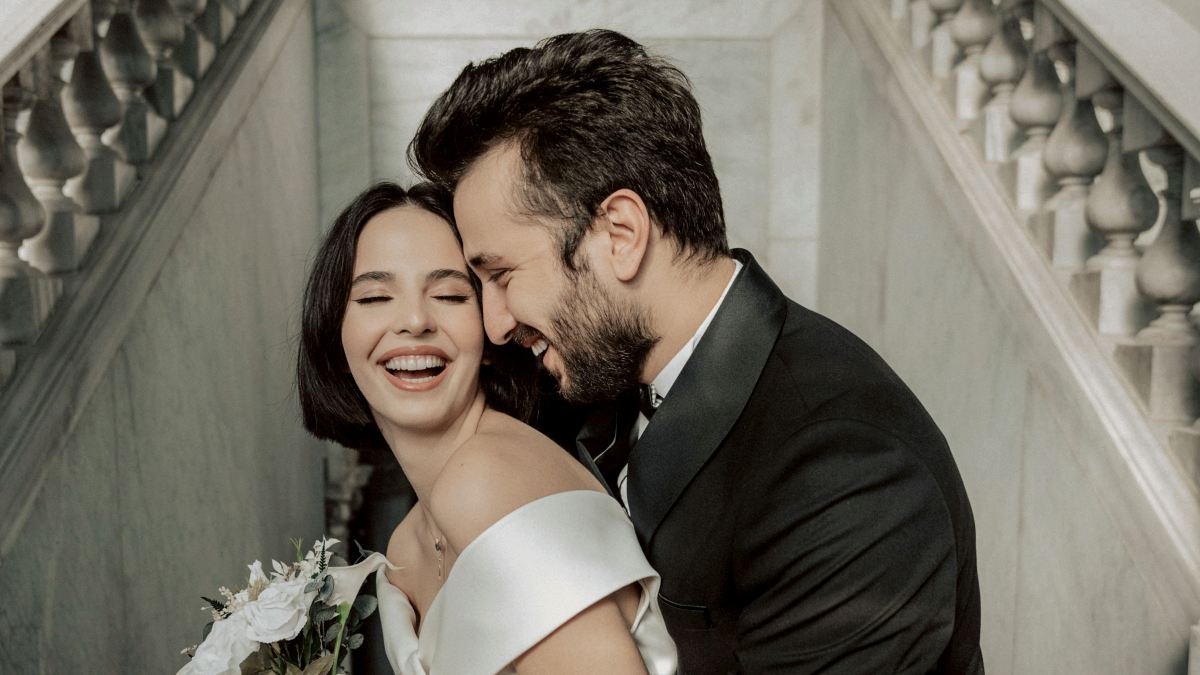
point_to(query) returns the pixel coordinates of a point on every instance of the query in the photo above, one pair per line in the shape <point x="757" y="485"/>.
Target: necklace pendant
<point x="441" y="554"/>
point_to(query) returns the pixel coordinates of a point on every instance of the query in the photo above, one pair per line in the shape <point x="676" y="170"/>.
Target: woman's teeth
<point x="416" y="368"/>
<point x="539" y="347"/>
<point x="416" y="362"/>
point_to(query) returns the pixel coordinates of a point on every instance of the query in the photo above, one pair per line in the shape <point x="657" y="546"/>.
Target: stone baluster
<point x="942" y="50"/>
<point x="1037" y="103"/>
<point x="345" y="477"/>
<point x="49" y="155"/>
<point x="161" y="28"/>
<point x="921" y="20"/>
<point x="26" y="294"/>
<point x="130" y="70"/>
<point x="1074" y="155"/>
<point x="102" y="13"/>
<point x="1001" y="66"/>
<point x="195" y="54"/>
<point x="1187" y="443"/>
<point x="91" y="108"/>
<point x="1119" y="207"/>
<point x="971" y="29"/>
<point x="1168" y="275"/>
<point x="215" y="24"/>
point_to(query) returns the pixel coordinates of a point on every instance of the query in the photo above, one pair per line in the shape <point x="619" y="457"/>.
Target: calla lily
<point x="347" y="580"/>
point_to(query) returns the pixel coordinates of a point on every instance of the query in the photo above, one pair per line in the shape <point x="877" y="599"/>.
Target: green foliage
<point x="216" y="604"/>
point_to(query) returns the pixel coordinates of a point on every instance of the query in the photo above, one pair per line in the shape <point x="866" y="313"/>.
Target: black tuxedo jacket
<point x="801" y="506"/>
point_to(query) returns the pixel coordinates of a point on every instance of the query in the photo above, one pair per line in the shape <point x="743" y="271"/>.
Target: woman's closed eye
<point x="372" y="299"/>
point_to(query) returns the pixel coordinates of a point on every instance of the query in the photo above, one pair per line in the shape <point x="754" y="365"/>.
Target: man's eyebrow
<point x="372" y="276"/>
<point x="483" y="259"/>
<point x="446" y="273"/>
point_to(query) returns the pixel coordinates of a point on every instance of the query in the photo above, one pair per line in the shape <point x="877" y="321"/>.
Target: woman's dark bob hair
<point x="334" y="408"/>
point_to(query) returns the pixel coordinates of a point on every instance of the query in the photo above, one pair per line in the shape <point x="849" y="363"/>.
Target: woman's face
<point x="412" y="333"/>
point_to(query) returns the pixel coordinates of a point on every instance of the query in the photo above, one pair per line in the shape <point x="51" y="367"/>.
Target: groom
<point x="802" y="508"/>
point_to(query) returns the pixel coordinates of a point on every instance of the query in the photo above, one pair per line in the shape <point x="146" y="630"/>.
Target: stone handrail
<point x="27" y="25"/>
<point x="1142" y="45"/>
<point x="110" y="130"/>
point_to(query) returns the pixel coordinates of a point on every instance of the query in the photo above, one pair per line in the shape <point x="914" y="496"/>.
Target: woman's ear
<point x="627" y="223"/>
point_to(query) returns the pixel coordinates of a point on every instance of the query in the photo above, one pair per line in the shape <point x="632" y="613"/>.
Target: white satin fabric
<point x="525" y="576"/>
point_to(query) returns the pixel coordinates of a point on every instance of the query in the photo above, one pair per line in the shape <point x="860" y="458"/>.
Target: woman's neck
<point x="423" y="453"/>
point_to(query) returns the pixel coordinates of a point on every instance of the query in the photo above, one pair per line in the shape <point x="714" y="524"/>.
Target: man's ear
<point x="629" y="228"/>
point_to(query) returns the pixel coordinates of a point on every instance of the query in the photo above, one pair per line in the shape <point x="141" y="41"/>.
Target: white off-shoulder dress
<point x="525" y="576"/>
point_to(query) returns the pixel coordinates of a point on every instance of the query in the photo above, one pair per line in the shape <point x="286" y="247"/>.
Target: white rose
<point x="280" y="611"/>
<point x="223" y="651"/>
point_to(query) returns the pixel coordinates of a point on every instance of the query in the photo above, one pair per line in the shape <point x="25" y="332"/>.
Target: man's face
<point x="594" y="344"/>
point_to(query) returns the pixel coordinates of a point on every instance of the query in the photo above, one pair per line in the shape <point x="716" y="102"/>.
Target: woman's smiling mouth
<point x="415" y="369"/>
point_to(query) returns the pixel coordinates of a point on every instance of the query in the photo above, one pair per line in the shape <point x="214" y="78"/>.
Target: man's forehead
<point x="493" y="174"/>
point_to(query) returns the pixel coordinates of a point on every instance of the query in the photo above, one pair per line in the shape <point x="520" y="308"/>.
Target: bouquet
<point x="297" y="622"/>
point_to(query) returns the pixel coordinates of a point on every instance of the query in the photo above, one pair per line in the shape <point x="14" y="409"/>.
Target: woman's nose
<point x="414" y="318"/>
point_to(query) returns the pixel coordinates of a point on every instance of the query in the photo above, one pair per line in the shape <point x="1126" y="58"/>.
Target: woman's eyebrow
<point x="372" y="276"/>
<point x="446" y="273"/>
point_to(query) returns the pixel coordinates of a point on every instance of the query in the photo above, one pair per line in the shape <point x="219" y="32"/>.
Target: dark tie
<point x="622" y="431"/>
<point x="648" y="402"/>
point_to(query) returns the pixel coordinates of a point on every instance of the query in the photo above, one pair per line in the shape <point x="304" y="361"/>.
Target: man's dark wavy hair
<point x="591" y="113"/>
<point x="333" y="407"/>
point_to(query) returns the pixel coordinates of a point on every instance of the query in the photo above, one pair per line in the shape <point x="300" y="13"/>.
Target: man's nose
<point x="497" y="321"/>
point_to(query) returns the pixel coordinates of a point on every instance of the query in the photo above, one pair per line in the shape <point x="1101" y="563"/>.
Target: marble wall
<point x="1075" y="577"/>
<point x="755" y="67"/>
<point x="190" y="460"/>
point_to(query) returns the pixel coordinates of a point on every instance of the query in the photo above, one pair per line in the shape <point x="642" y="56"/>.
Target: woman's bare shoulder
<point x="504" y="466"/>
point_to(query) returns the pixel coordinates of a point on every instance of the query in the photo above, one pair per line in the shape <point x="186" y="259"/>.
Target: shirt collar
<point x="666" y="378"/>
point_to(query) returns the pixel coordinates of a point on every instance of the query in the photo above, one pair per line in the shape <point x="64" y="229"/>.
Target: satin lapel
<point x="707" y="398"/>
<point x="600" y="432"/>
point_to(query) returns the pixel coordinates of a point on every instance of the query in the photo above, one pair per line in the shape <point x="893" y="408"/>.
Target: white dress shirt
<point x="662" y="384"/>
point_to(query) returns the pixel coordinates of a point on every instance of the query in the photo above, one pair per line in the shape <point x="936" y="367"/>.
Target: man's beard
<point x="603" y="345"/>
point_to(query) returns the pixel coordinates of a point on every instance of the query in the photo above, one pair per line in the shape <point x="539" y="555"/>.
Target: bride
<point x="514" y="559"/>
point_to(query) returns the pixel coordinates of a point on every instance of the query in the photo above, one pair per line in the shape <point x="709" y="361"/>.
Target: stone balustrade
<point x="1104" y="177"/>
<point x="94" y="88"/>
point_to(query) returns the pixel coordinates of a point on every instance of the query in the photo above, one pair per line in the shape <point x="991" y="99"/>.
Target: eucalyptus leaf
<point x="355" y="641"/>
<point x="331" y="634"/>
<point x="326" y="589"/>
<point x="320" y="666"/>
<point x="313" y="585"/>
<point x="327" y="614"/>
<point x="365" y="605"/>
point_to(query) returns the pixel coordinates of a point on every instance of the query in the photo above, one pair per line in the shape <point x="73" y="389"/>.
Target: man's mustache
<point x="522" y="334"/>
